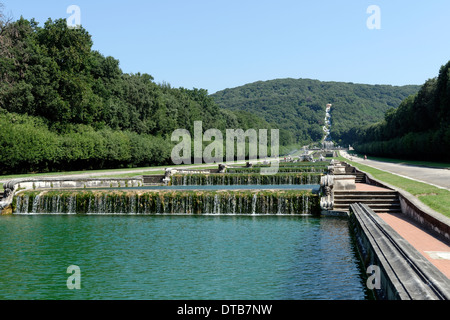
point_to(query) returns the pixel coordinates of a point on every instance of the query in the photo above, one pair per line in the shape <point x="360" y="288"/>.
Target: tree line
<point x="418" y="129"/>
<point x="65" y="106"/>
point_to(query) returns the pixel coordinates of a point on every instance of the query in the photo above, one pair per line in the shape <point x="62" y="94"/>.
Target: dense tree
<point x="64" y="106"/>
<point x="418" y="129"/>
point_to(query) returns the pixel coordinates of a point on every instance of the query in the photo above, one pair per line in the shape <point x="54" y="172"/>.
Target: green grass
<point x="434" y="197"/>
<point x="132" y="175"/>
<point x="432" y="164"/>
<point x="56" y="174"/>
<point x="102" y="173"/>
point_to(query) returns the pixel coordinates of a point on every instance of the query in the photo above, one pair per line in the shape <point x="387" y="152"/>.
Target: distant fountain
<point x="73" y="197"/>
<point x="306" y="178"/>
<point x="327" y="143"/>
<point x="294" y="168"/>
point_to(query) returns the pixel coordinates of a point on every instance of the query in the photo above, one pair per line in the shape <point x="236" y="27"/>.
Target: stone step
<point x="378" y="201"/>
<point x="360" y="177"/>
<point x="364" y="193"/>
<point x="374" y="201"/>
<point x="370" y="204"/>
<point x="386" y="210"/>
<point x="153" y="180"/>
<point x="365" y="197"/>
<point x="376" y="208"/>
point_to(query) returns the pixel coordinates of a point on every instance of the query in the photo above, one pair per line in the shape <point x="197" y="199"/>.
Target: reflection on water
<point x="178" y="257"/>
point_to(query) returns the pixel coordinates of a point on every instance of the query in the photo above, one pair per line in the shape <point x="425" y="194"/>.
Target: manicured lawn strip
<point x="132" y="175"/>
<point x="136" y="171"/>
<point x="436" y="198"/>
<point x="56" y="174"/>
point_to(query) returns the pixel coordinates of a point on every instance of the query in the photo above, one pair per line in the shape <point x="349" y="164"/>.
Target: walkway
<point x="368" y="187"/>
<point x="436" y="177"/>
<point x="434" y="250"/>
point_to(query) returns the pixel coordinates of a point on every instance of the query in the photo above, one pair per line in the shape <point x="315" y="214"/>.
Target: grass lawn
<point x="56" y="174"/>
<point x="431" y="164"/>
<point x="436" y="198"/>
<point x="103" y="173"/>
<point x="131" y="175"/>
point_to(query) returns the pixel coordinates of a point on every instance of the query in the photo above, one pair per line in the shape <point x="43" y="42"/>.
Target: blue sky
<point x="214" y="44"/>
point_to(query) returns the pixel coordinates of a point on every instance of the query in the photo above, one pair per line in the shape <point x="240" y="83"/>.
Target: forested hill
<point x="418" y="129"/>
<point x="297" y="106"/>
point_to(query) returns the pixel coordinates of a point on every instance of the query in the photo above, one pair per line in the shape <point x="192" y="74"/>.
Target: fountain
<point x="305" y="178"/>
<point x="287" y="202"/>
<point x="291" y="191"/>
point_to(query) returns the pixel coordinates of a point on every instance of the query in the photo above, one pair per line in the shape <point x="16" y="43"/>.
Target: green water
<point x="179" y="257"/>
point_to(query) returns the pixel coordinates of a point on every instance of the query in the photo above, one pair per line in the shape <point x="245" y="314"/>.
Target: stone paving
<point x="433" y="249"/>
<point x="368" y="187"/>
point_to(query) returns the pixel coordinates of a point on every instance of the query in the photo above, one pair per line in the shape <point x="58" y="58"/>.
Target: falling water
<point x="254" y="200"/>
<point x="168" y="202"/>
<point x="306" y="178"/>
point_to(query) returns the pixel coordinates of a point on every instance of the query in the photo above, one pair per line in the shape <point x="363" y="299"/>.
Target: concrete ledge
<point x="13" y="186"/>
<point x="71" y="183"/>
<point x="405" y="273"/>
<point x="334" y="213"/>
<point x="344" y="182"/>
<point x="155" y="179"/>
